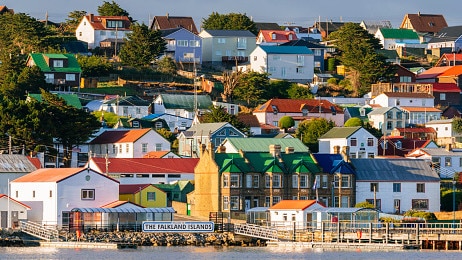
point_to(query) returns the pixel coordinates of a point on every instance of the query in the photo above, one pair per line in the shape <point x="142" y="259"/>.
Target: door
<point x="14" y="219"/>
<point x="247" y="204"/>
<point x="4" y="219"/>
<point x="397" y="206"/>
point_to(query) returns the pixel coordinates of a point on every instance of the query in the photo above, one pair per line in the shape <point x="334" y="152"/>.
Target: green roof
<point x="172" y="101"/>
<point x="72" y="64"/>
<point x="71" y="99"/>
<point x="399" y="34"/>
<point x="340" y="132"/>
<point x="262" y="144"/>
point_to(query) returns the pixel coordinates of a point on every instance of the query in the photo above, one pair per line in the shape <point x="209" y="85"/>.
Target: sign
<point x="178" y="226"/>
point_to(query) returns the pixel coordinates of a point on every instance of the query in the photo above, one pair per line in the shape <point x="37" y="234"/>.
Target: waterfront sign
<point x="178" y="226"/>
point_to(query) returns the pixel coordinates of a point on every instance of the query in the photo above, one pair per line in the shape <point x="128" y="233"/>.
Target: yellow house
<point x="146" y="195"/>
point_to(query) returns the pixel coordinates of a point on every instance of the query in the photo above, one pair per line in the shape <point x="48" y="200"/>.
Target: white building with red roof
<point x="131" y="143"/>
<point x="94" y="29"/>
<point x="53" y="192"/>
<point x="275" y="37"/>
<point x="286" y="212"/>
<point x="145" y="170"/>
<point x="16" y="211"/>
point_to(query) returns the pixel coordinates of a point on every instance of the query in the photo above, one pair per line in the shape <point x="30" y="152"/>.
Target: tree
<point x="299" y="92"/>
<point x="30" y="79"/>
<point x="167" y="66"/>
<point x="310" y="130"/>
<point x="286" y="122"/>
<point x="230" y="80"/>
<point x="72" y="21"/>
<point x="354" y="121"/>
<point x="142" y="46"/>
<point x="457" y="124"/>
<point x="251" y="86"/>
<point x="277" y="89"/>
<point x="218" y="115"/>
<point x="358" y="54"/>
<point x="94" y="66"/>
<point x="231" y="21"/>
<point x="112" y="9"/>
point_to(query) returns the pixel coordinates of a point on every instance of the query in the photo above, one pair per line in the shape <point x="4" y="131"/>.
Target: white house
<point x="181" y="105"/>
<point x="444" y="132"/>
<point x="175" y="123"/>
<point x="94" y="29"/>
<point x="288" y="212"/>
<point x="406" y="99"/>
<point x="134" y="143"/>
<point x="387" y="118"/>
<point x="12" y="211"/>
<point x="127" y="106"/>
<point x="421" y="115"/>
<point x="145" y="170"/>
<point x="293" y="63"/>
<point x="445" y="161"/>
<point x="53" y="193"/>
<point x="397" y="185"/>
<point x="360" y="143"/>
<point x="392" y="39"/>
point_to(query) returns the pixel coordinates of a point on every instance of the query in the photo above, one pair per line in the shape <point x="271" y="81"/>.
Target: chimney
<point x="221" y="149"/>
<point x="289" y="150"/>
<point x="167" y="15"/>
<point x="91" y="17"/>
<point x="275" y="150"/>
<point x="336" y="149"/>
<point x="346" y="153"/>
<point x="449" y="147"/>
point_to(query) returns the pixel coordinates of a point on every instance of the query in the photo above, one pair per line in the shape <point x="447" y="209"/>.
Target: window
<point x="255" y="58"/>
<point x="17" y="193"/>
<point x="144" y="148"/>
<point x="114" y="24"/>
<point x="127" y="148"/>
<point x="232" y="133"/>
<point x="299" y="70"/>
<point x="405" y="79"/>
<point x="255" y="181"/>
<point x="354" y="142"/>
<point x="225" y="181"/>
<point x="88" y="194"/>
<point x="70" y="77"/>
<point x="120" y="148"/>
<point x="221" y="40"/>
<point x="58" y="63"/>
<point x="421" y="187"/>
<point x="317" y="52"/>
<point x="136" y="124"/>
<point x="374" y="187"/>
<point x="442" y="96"/>
<point x="420" y="204"/>
<point x="80" y="33"/>
<point x="389" y="115"/>
<point x="277" y="181"/>
<point x="370" y="141"/>
<point x="241" y="43"/>
<point x="345" y="181"/>
<point x="158" y="147"/>
<point x="182" y="43"/>
<point x="389" y="125"/>
<point x="345" y="202"/>
<point x="276" y="199"/>
<point x="267" y="201"/>
<point x="283" y="71"/>
<point x="396" y="187"/>
<point x="276" y="57"/>
<point x="370" y="155"/>
<point x="300" y="60"/>
<point x="194" y="43"/>
<point x="33" y="194"/>
<point x="51" y="194"/>
<point x="252" y="181"/>
<point x="271" y="69"/>
<point x="225" y="202"/>
<point x="447" y="161"/>
<point x="460" y="162"/>
<point x="114" y="149"/>
<point x="234" y="202"/>
<point x="235" y="181"/>
<point x="324" y="182"/>
<point x="399" y="115"/>
<point x="150" y="196"/>
<point x="218" y="53"/>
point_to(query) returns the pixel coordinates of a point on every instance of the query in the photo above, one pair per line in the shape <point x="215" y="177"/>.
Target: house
<point x="444" y="131"/>
<point x="397" y="185"/>
<point x="449" y="59"/>
<point x="431" y="75"/>
<point x="53" y="193"/>
<point x="176" y="191"/>
<point x="289" y="212"/>
<point x="447" y="38"/>
<point x="452" y="111"/>
<point x="299" y="109"/>
<point x="386" y="119"/>
<point x="182" y="105"/>
<point x="183" y="46"/>
<point x="59" y="69"/>
<point x="145" y="170"/>
<point x="226" y="47"/>
<point x="402" y="75"/>
<point x="173" y="22"/>
<point x="4" y="9"/>
<point x="127" y="106"/>
<point x="232" y="109"/>
<point x="451" y="75"/>
<point x="327" y="27"/>
<point x="292" y="63"/>
<point x="189" y="141"/>
<point x="393" y="146"/>
<point x="445" y="161"/>
<point x="275" y="37"/>
<point x="392" y="39"/>
<point x="251" y="122"/>
<point x="174" y="123"/>
<point x="267" y="26"/>
<point x="161" y="154"/>
<point x="415" y="133"/>
<point x="420" y="115"/>
<point x="133" y="143"/>
<point x="446" y="94"/>
<point x="373" y="26"/>
<point x="94" y="29"/>
<point x="145" y="195"/>
<point x="335" y="185"/>
<point x="317" y="49"/>
<point x="357" y="141"/>
<point x="358" y="112"/>
<point x="426" y="25"/>
<point x="309" y="34"/>
<point x="11" y="212"/>
<point x="13" y="166"/>
<point x="235" y="182"/>
<point x="409" y="99"/>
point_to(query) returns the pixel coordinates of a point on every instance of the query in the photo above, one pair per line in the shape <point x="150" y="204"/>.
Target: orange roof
<point x="296" y="105"/>
<point x="156" y="154"/>
<point x="20" y="203"/>
<point x="293" y="204"/>
<point x="35" y="161"/>
<point x="416" y="130"/>
<point x="279" y="35"/>
<point x="52" y="175"/>
<point x="421" y="109"/>
<point x="452" y="71"/>
<point x="124" y="136"/>
<point x="432" y="72"/>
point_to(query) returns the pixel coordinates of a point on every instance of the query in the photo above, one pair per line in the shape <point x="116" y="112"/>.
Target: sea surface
<point x="210" y="252"/>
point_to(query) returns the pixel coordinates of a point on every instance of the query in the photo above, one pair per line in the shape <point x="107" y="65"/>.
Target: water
<point x="188" y="252"/>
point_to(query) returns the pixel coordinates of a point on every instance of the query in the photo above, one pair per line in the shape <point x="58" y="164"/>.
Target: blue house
<point x="183" y="45"/>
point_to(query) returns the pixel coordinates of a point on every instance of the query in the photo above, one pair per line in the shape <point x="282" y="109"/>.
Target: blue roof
<point x="286" y="49"/>
<point x="125" y="210"/>
<point x="333" y="163"/>
<point x="152" y="116"/>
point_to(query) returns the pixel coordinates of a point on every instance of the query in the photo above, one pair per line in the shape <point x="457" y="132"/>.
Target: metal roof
<point x="124" y="210"/>
<point x="341" y="210"/>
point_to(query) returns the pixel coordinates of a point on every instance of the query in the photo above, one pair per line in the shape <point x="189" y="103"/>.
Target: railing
<point x="256" y="231"/>
<point x="39" y="231"/>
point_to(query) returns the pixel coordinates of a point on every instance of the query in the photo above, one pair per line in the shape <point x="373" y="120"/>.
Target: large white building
<point x="360" y="143"/>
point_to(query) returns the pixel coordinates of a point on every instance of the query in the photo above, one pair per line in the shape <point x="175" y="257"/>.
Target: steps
<point x="37" y="230"/>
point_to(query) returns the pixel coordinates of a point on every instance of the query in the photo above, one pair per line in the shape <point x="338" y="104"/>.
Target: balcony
<point x="238" y="59"/>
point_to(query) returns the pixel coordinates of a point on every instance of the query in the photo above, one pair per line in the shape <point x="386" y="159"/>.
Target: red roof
<point x="132" y="188"/>
<point x="99" y="22"/>
<point x="249" y="120"/>
<point x="156" y="154"/>
<point x="35" y="161"/>
<point x="172" y="22"/>
<point x="124" y="136"/>
<point x="421" y="109"/>
<point x="277" y="36"/>
<point x="424" y="22"/>
<point x="293" y="204"/>
<point x="296" y="105"/>
<point x="446" y="87"/>
<point x="416" y="130"/>
<point x="52" y="175"/>
<point x="147" y="165"/>
<point x="20" y="203"/>
<point x="408" y="94"/>
<point x="452" y="71"/>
